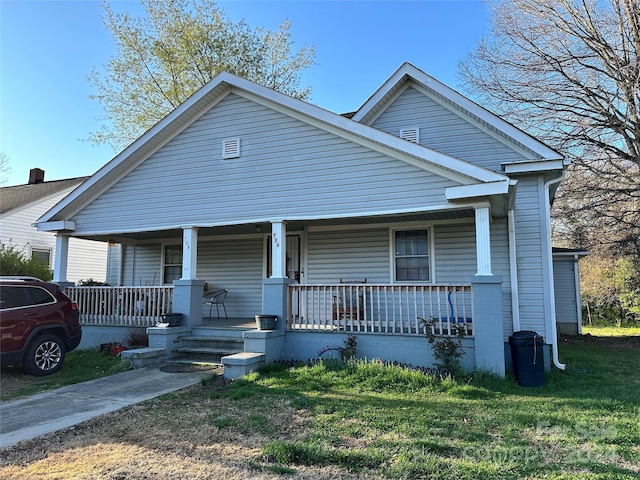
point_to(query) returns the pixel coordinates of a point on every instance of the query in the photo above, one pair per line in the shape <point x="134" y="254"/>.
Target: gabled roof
<point x="407" y="73"/>
<point x="21" y="195"/>
<point x="223" y="84"/>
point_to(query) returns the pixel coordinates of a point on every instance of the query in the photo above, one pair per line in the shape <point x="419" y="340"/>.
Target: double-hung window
<point x="412" y="261"/>
<point x="172" y="263"/>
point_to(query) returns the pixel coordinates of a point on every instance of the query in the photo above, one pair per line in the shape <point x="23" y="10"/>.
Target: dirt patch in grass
<point x="187" y="435"/>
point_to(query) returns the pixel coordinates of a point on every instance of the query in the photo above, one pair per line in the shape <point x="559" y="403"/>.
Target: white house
<point x="422" y="204"/>
<point x="22" y="205"/>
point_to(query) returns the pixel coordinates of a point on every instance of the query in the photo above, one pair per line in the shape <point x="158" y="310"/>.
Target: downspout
<point x="552" y="299"/>
<point x="576" y="276"/>
<point x="513" y="268"/>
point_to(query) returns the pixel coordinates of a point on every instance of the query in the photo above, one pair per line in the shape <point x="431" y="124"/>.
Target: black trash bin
<point x="528" y="358"/>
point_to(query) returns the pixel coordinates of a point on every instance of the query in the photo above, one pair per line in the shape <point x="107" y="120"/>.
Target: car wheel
<point x="44" y="356"/>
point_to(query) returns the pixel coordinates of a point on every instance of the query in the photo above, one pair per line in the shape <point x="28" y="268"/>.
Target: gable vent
<point x="231" y="148"/>
<point x="411" y="134"/>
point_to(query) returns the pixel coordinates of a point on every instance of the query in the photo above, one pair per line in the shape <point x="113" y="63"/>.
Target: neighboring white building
<point x="22" y="205"/>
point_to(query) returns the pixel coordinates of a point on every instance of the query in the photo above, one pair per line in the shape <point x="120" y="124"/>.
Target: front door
<point x="294" y="265"/>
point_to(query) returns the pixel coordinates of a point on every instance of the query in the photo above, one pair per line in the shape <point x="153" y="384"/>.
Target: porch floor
<point x="229" y="323"/>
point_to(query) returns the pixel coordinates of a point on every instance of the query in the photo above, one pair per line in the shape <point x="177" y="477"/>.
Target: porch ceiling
<point x="292" y="225"/>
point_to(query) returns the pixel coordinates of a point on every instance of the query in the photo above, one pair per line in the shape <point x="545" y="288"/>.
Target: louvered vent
<point x="410" y="134"/>
<point x="231" y="148"/>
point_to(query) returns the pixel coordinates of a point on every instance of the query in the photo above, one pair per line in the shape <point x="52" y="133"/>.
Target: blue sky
<point x="49" y="47"/>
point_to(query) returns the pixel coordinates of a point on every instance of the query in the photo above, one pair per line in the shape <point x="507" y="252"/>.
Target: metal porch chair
<point x="217" y="298"/>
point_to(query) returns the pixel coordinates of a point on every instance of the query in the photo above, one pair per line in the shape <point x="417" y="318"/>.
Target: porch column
<point x="189" y="253"/>
<point x="483" y="241"/>
<point x="279" y="250"/>
<point x="61" y="259"/>
<point x="187" y="292"/>
<point x="488" y="328"/>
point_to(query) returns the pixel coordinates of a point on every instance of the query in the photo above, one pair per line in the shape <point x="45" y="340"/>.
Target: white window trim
<point x="392" y="254"/>
<point x="162" y="262"/>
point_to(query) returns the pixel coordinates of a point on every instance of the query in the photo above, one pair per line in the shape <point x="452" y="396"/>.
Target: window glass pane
<point x="172" y="273"/>
<point x="412" y="268"/>
<point x="41" y="256"/>
<point x="412" y="255"/>
<point x="39" y="296"/>
<point x="173" y="254"/>
<point x="172" y="263"/>
<point x="12" y="297"/>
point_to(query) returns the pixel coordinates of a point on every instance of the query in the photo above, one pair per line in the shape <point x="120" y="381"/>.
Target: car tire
<point x="44" y="355"/>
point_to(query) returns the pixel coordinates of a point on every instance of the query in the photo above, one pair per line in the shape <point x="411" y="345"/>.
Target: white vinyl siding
<point x="351" y="255"/>
<point x="529" y="255"/>
<point x="301" y="171"/>
<point x="234" y="264"/>
<point x="565" y="290"/>
<point x="444" y="130"/>
<point x="87" y="259"/>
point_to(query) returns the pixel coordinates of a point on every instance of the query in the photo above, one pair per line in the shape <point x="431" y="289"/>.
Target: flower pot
<point x="173" y="319"/>
<point x="266" y="322"/>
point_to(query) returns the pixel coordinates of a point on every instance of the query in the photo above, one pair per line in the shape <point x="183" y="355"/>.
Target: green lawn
<point x="610" y="331"/>
<point x="79" y="366"/>
<point x="396" y="423"/>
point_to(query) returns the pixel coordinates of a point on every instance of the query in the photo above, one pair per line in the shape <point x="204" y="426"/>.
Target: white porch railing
<point x="122" y="306"/>
<point x="380" y="308"/>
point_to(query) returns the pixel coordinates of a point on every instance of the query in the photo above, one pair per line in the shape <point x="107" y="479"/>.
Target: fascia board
<point x="573" y="254"/>
<point x="463" y="102"/>
<point x="534" y="166"/>
<point x="477" y="190"/>
<point x="297" y="218"/>
<point x="57" y="226"/>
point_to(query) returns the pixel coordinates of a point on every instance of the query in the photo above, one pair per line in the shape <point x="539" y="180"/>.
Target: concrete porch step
<point x="204" y="354"/>
<point x="198" y="341"/>
<point x="240" y="364"/>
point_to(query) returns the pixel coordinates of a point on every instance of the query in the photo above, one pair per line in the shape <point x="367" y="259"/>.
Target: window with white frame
<point x="172" y="263"/>
<point x="41" y="255"/>
<point x="412" y="262"/>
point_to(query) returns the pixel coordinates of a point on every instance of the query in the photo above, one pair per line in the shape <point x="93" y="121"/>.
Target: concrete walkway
<point x="67" y="406"/>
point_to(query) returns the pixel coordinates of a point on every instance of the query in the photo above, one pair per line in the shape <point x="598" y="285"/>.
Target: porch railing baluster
<point x="121" y="306"/>
<point x="379" y="308"/>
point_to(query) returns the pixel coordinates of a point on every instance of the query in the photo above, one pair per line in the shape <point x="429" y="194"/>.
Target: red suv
<point x="39" y="324"/>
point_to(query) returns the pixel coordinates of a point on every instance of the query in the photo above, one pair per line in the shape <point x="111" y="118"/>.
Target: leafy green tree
<point x="14" y="262"/>
<point x="165" y="56"/>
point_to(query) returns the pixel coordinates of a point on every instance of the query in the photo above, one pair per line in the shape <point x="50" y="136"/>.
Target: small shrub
<point x="447" y="349"/>
<point x="90" y="282"/>
<point x="347" y="352"/>
<point x="137" y="337"/>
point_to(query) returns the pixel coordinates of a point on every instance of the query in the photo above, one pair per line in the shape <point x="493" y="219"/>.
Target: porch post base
<point x="275" y="299"/>
<point x="268" y="342"/>
<point x="488" y="327"/>
<point x="187" y="300"/>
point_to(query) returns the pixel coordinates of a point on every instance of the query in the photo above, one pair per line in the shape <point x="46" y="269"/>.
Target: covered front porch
<point x="284" y="272"/>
